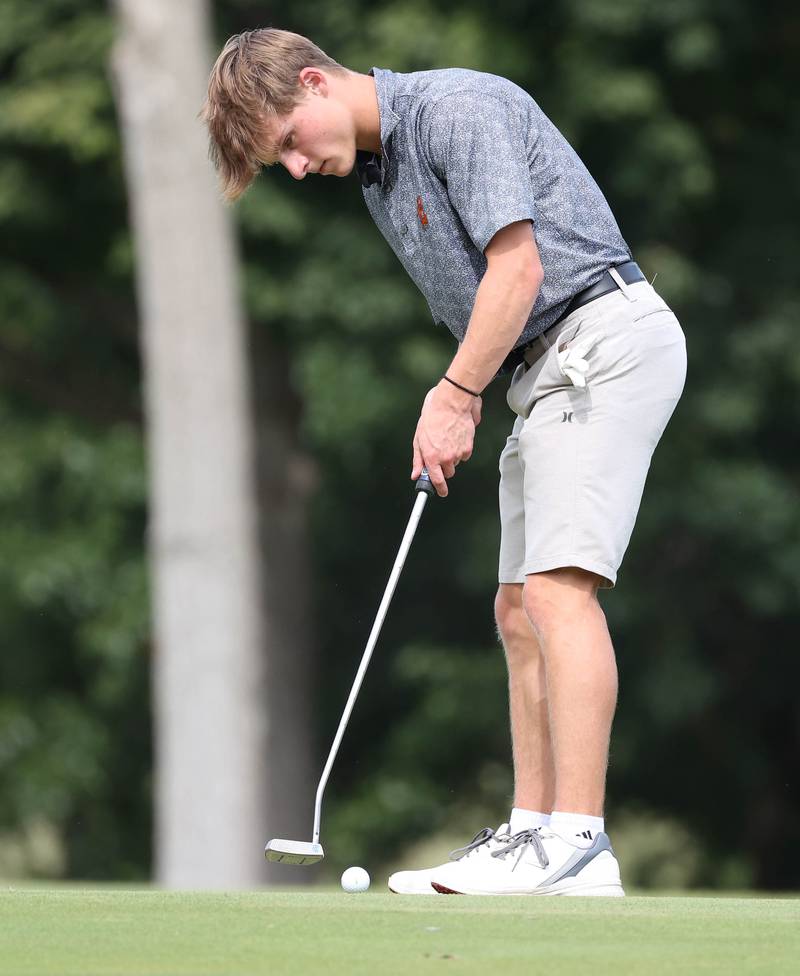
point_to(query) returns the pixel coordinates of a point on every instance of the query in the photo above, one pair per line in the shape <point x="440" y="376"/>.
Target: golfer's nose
<point x="297" y="165"/>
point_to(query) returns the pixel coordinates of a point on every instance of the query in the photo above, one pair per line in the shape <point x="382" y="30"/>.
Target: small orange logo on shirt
<point x="423" y="217"/>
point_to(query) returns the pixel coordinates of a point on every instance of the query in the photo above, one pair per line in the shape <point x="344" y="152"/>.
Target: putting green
<point x="87" y="932"/>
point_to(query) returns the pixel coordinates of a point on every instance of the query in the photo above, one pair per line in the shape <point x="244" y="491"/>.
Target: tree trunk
<point x="209" y="676"/>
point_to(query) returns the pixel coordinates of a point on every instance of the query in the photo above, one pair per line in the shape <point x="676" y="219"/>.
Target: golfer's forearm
<point x="502" y="306"/>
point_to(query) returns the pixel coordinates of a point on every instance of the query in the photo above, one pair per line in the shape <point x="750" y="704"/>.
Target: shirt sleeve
<point x="478" y="148"/>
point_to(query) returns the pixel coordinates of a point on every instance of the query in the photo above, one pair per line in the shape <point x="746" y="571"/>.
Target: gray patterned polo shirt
<point x="465" y="154"/>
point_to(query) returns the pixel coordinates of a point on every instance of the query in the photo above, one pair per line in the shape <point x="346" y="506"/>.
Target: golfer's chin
<point x="338" y="166"/>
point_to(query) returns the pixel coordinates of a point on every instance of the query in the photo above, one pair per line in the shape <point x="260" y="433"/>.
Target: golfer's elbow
<point x="535" y="278"/>
<point x="529" y="281"/>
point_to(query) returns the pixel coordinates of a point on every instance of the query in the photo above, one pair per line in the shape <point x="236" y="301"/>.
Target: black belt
<point x="630" y="272"/>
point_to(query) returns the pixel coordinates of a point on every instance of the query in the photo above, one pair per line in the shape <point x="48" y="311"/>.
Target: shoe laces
<point x="484" y="835"/>
<point x="521" y="842"/>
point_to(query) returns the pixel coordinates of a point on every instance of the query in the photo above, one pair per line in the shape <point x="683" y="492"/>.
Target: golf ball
<point x="355" y="879"/>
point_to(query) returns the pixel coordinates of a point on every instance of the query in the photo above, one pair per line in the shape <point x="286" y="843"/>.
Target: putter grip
<point x="423" y="483"/>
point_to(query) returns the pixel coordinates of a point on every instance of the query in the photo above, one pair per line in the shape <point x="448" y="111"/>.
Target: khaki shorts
<point x="573" y="470"/>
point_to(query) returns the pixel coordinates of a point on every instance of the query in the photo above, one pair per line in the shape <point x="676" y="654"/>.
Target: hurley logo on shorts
<point x="567" y="417"/>
<point x="423" y="217"/>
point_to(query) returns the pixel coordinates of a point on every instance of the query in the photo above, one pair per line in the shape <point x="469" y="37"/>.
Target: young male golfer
<point x="515" y="248"/>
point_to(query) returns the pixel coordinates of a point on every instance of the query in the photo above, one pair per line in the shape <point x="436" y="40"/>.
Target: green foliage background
<point x="683" y="113"/>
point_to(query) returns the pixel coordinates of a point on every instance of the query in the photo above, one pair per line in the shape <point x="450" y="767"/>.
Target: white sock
<point x="576" y="827"/>
<point x="522" y="819"/>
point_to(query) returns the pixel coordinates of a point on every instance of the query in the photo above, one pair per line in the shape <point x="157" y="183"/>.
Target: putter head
<point x="293" y="851"/>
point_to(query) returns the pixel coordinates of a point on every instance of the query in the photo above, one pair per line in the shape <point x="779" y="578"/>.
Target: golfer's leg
<point x="534" y="774"/>
<point x="581" y="674"/>
<point x="585" y="453"/>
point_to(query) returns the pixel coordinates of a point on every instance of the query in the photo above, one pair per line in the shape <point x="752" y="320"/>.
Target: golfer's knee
<point x="513" y="626"/>
<point x="550" y="597"/>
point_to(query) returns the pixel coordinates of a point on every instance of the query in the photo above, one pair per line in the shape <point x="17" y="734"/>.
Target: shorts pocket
<point x="639" y="317"/>
<point x="575" y="356"/>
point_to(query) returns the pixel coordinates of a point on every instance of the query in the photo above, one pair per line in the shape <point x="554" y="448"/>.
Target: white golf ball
<point x="355" y="879"/>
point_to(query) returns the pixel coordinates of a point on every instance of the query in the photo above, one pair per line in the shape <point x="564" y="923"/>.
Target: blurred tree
<point x="74" y="716"/>
<point x="209" y="677"/>
<point x="74" y="701"/>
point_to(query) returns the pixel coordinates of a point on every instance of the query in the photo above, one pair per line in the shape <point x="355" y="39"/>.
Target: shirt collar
<point x="385" y="89"/>
<point x="372" y="167"/>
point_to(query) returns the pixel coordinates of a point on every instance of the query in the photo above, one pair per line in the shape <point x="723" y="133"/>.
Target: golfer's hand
<point x="445" y="433"/>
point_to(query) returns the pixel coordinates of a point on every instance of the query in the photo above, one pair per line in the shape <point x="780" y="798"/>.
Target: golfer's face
<point x="317" y="137"/>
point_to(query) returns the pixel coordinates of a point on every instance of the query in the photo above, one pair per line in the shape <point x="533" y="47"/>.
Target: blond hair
<point x="254" y="81"/>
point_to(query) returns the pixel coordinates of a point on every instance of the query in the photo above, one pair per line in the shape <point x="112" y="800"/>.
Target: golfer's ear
<point x="314" y="80"/>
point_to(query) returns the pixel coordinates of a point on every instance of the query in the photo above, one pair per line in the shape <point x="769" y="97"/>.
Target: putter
<point x="303" y="852"/>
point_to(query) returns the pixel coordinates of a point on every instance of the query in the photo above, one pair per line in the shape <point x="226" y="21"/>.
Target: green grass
<point x="83" y="932"/>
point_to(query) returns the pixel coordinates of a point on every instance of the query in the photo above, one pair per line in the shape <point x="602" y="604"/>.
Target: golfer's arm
<point x="503" y="303"/>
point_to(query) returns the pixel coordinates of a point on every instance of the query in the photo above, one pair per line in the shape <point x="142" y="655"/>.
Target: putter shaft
<point x="302" y="852"/>
<point x="411" y="528"/>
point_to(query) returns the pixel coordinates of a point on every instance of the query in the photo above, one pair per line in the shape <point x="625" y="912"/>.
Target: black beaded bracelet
<point x="471" y="392"/>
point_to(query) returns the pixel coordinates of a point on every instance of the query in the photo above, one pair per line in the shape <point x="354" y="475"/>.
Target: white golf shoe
<point x="481" y="845"/>
<point x="536" y="862"/>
